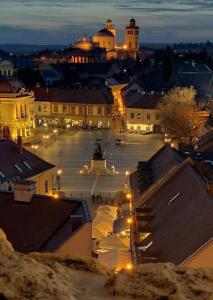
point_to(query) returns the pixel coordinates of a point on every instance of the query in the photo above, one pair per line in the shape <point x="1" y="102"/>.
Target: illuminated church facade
<point x="103" y="45"/>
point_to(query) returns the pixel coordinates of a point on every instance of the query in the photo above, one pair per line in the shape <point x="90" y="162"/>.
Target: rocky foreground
<point x="49" y="276"/>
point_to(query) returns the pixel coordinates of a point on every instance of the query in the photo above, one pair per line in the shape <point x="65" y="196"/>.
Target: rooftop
<point x="19" y="165"/>
<point x="29" y="226"/>
<point x="73" y="96"/>
<point x="179" y="227"/>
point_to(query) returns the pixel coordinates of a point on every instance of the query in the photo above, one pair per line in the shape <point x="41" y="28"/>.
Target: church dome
<point x="10" y="86"/>
<point x="104" y="32"/>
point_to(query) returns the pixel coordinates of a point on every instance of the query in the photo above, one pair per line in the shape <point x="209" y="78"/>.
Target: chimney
<point x="19" y="144"/>
<point x="24" y="191"/>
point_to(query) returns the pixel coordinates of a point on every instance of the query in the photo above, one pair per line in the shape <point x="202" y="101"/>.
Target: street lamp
<point x="127" y="175"/>
<point x="58" y="178"/>
<point x="55" y="131"/>
<point x="46" y="137"/>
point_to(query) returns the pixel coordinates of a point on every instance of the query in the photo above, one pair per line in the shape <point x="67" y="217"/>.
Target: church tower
<point x="132" y="35"/>
<point x="110" y="27"/>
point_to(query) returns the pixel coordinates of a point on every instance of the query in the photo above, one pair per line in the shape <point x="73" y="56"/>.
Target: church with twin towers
<point x="104" y="45"/>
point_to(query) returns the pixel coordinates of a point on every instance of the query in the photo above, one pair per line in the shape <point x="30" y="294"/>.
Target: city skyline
<point x="50" y="22"/>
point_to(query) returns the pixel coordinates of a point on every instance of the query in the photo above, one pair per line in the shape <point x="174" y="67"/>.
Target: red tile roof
<point x="86" y="96"/>
<point x="29" y="226"/>
<point x="29" y="164"/>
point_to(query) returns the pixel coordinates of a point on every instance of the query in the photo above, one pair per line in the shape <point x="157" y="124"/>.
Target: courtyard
<point x="73" y="150"/>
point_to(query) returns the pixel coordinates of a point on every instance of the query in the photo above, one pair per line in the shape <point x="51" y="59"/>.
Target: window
<point x="45" y="108"/>
<point x="99" y="110"/>
<point x="64" y="109"/>
<point x="138" y="127"/>
<point x="80" y="110"/>
<point x="108" y="110"/>
<point x="72" y="110"/>
<point x="157" y="117"/>
<point x="27" y="165"/>
<point x="130" y="45"/>
<point x="46" y="186"/>
<point x="55" y="108"/>
<point x="132" y="115"/>
<point x="148" y="116"/>
<point x="18" y="168"/>
<point x="39" y="108"/>
<point x="90" y="110"/>
<point x="139" y="115"/>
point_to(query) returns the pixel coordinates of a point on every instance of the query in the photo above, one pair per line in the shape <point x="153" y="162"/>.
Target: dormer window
<point x="2" y="174"/>
<point x="18" y="168"/>
<point x="27" y="165"/>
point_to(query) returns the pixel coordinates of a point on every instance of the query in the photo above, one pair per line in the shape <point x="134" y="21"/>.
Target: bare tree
<point x="181" y="118"/>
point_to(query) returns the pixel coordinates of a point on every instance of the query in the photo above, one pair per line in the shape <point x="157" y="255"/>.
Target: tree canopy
<point x="180" y="116"/>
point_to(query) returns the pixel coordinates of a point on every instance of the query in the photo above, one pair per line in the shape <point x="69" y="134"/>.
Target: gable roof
<point x="29" y="226"/>
<point x="182" y="213"/>
<point x="157" y="166"/>
<point x="19" y="165"/>
<point x="86" y="96"/>
<point x="141" y="100"/>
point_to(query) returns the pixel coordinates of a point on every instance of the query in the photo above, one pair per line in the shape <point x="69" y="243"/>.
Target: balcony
<point x="147" y="218"/>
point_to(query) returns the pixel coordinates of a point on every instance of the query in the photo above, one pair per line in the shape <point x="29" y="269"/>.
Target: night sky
<point x="63" y="21"/>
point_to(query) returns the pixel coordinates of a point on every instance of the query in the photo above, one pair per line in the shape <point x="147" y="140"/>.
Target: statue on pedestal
<point x="98" y="154"/>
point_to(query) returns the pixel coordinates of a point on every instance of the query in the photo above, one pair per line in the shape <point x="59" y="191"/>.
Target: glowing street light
<point x="55" y="131"/>
<point x="129" y="267"/>
<point x="58" y="178"/>
<point x="46" y="137"/>
<point x="129" y="221"/>
<point x="127" y="175"/>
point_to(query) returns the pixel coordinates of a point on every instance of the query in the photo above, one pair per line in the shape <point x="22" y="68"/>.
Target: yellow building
<point x="141" y="113"/>
<point x="106" y="39"/>
<point x="73" y="107"/>
<point x="16" y="110"/>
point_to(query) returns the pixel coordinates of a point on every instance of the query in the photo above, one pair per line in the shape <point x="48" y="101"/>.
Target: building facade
<point x="85" y="50"/>
<point x="16" y="110"/>
<point x="74" y="107"/>
<point x="141" y="112"/>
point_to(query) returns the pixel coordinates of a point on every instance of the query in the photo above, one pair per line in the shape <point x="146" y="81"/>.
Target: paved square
<point x="71" y="152"/>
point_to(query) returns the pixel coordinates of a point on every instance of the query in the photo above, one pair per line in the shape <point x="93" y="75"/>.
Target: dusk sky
<point x="63" y="21"/>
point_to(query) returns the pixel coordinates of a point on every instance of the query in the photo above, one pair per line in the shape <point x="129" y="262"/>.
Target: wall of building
<point x="76" y="114"/>
<point x="40" y="180"/>
<point x="80" y="243"/>
<point x="203" y="259"/>
<point x="17" y="112"/>
<point x="141" y="119"/>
